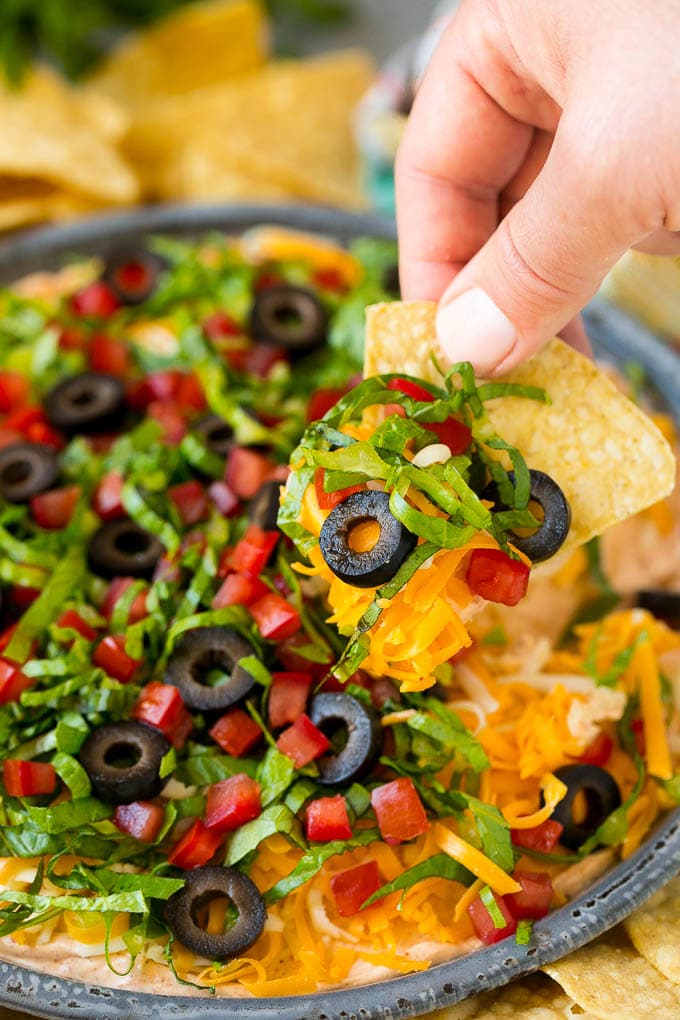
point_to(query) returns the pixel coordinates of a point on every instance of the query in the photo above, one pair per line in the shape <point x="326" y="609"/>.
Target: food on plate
<point x="191" y="800"/>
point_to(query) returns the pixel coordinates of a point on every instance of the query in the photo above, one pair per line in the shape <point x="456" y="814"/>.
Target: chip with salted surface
<point x="534" y="998"/>
<point x="607" y="455"/>
<point x="654" y="930"/>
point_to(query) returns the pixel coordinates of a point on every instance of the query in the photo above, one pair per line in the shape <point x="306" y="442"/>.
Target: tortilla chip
<point x="197" y="46"/>
<point x="30" y="200"/>
<point x="535" y="998"/>
<point x="607" y="455"/>
<point x="614" y="983"/>
<point x="49" y="134"/>
<point x="654" y="930"/>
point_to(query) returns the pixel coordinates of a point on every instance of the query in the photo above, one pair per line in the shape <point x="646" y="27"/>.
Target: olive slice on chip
<point x="204" y="885"/>
<point x="26" y="469"/>
<point x="377" y="564"/>
<point x="553" y="529"/>
<point x="123" y="761"/>
<point x="132" y="275"/>
<point x="89" y="402"/>
<point x="600" y="796"/>
<point x="204" y="666"/>
<point x="291" y="317"/>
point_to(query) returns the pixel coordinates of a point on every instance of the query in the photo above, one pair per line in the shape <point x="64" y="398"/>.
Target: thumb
<point x="543" y="263"/>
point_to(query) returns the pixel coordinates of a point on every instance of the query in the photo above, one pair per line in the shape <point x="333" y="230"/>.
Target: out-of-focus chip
<point x="29" y="200"/>
<point x="609" y="979"/>
<point x="654" y="930"/>
<point x="197" y="46"/>
<point x="50" y="135"/>
<point x="607" y="455"/>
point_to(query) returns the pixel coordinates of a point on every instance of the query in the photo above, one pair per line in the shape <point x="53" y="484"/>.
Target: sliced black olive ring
<point x="376" y="565"/>
<point x="217" y="435"/>
<point x="26" y="469"/>
<point x="601" y="794"/>
<point x="361" y="724"/>
<point x="123" y="761"/>
<point x="665" y="605"/>
<point x="89" y="402"/>
<point x="198" y="653"/>
<point x="121" y="548"/>
<point x="132" y="275"/>
<point x="292" y="317"/>
<point x="202" y="886"/>
<point x="264" y="506"/>
<point x="554" y="528"/>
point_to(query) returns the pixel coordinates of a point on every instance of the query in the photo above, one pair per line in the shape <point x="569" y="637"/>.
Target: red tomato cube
<point x="291" y="659"/>
<point x="328" y="500"/>
<point x="321" y="401"/>
<point x="219" y="324"/>
<point x="275" y="617"/>
<point x="95" y="301"/>
<point x="455" y="434"/>
<point x="495" y="576"/>
<point x="598" y="751"/>
<point x="74" y="621"/>
<point x="543" y="837"/>
<point x="191" y="502"/>
<point x="110" y="655"/>
<point x="28" y="778"/>
<point x="161" y="705"/>
<point x="399" y="811"/>
<point x="239" y="590"/>
<point x="53" y="509"/>
<point x="236" y="733"/>
<point x="484" y="924"/>
<point x="106" y="501"/>
<point x="110" y="355"/>
<point x="353" y="887"/>
<point x="12" y="681"/>
<point x="252" y="553"/>
<point x="190" y="395"/>
<point x="226" y="501"/>
<point x="141" y="820"/>
<point x="246" y="471"/>
<point x="327" y="819"/>
<point x="14" y="390"/>
<point x="195" y="848"/>
<point x="303" y="742"/>
<point x="115" y="592"/>
<point x="534" y="899"/>
<point x="410" y="389"/>
<point x="232" y="803"/>
<point x="170" y="419"/>
<point x="288" y="697"/>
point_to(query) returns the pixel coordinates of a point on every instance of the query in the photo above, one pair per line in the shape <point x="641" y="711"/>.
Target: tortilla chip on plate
<point x="607" y="455"/>
<point x="535" y="998"/>
<point x="610" y="980"/>
<point x="197" y="46"/>
<point x="30" y="200"/>
<point x="654" y="930"/>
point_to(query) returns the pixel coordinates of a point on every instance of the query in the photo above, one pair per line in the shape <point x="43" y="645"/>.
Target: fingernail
<point x="473" y="328"/>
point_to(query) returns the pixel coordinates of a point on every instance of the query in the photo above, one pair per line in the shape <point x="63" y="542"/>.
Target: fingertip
<point x="471" y="327"/>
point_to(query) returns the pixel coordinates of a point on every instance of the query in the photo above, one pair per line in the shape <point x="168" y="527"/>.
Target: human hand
<point x="543" y="143"/>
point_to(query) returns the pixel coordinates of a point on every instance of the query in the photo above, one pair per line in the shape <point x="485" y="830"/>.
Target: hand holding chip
<point x="539" y="150"/>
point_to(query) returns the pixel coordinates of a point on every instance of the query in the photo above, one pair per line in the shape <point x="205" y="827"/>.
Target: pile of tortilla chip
<point x="192" y="108"/>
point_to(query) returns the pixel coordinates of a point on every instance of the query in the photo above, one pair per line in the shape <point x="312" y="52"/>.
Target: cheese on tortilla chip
<point x="609" y="458"/>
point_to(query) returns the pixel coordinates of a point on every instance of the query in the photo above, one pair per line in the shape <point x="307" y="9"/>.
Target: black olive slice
<point x="26" y="469"/>
<point x="360" y="723"/>
<point x="217" y="435"/>
<point x="665" y="605"/>
<point x="89" y="402"/>
<point x="201" y="887"/>
<point x="554" y="528"/>
<point x="377" y="565"/>
<point x="602" y="796"/>
<point x="120" y="548"/>
<point x="123" y="761"/>
<point x="264" y="506"/>
<point x="292" y="317"/>
<point x="132" y="275"/>
<point x="201" y="652"/>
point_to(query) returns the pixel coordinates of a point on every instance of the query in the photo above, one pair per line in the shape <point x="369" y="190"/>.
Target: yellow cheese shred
<point x="474" y="860"/>
<point x="656" y="739"/>
<point x="554" y="790"/>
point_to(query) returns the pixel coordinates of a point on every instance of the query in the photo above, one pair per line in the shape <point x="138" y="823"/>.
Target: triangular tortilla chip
<point x="607" y="455"/>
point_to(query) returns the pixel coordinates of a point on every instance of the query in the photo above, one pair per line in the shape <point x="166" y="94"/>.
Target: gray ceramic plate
<point x="619" y="340"/>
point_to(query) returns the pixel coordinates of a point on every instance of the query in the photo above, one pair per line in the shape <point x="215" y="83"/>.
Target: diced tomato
<point x="12" y="681"/>
<point x="321" y="402"/>
<point x="288" y="655"/>
<point x="232" y="803"/>
<point x="72" y="620"/>
<point x="282" y="586"/>
<point x="383" y="690"/>
<point x="33" y="425"/>
<point x="330" y="279"/>
<point x="72" y="338"/>
<point x="9" y="436"/>
<point x="495" y="576"/>
<point x="195" y="848"/>
<point x="236" y="733"/>
<point x="288" y="697"/>
<point x="598" y="752"/>
<point x="110" y="355"/>
<point x="399" y="811"/>
<point x="141" y="820"/>
<point x="638" y="729"/>
<point x="14" y="390"/>
<point x="190" y="395"/>
<point x="327" y="819"/>
<point x="191" y="501"/>
<point x="21" y="596"/>
<point x="268" y="279"/>
<point x="110" y="655"/>
<point x="155" y="386"/>
<point x="543" y="837"/>
<point x="251" y="554"/>
<point x="455" y="434"/>
<point x="171" y="421"/>
<point x="219" y="325"/>
<point x="239" y="590"/>
<point x="115" y="591"/>
<point x="246" y="471"/>
<point x="226" y="501"/>
<point x="483" y="922"/>
<point x="96" y="301"/>
<point x="275" y="617"/>
<point x="327" y="500"/>
<point x="303" y="742"/>
<point x="410" y="389"/>
<point x="161" y="705"/>
<point x="28" y="778"/>
<point x="260" y="359"/>
<point x="106" y="501"/>
<point x="352" y="888"/>
<point x="534" y="899"/>
<point x="53" y="509"/>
